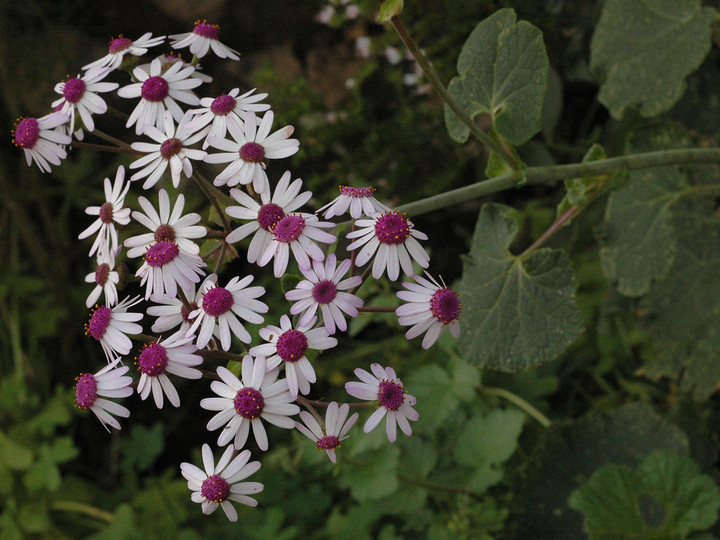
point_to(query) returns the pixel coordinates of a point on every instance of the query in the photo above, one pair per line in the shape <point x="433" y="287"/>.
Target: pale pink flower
<point x="109" y="382"/>
<point x="203" y="38"/>
<point x="41" y="142"/>
<point x="81" y="94"/>
<point x="330" y="436"/>
<point x="109" y="326"/>
<point x="359" y="200"/>
<point x="120" y="46"/>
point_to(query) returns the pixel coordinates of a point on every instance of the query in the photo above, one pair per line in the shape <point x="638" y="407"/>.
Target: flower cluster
<point x="204" y="314"/>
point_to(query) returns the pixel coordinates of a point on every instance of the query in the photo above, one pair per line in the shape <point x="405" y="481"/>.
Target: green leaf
<point x="580" y="191"/>
<point x="14" y="455"/>
<point x="372" y="475"/>
<point x="502" y="71"/>
<point x="142" y="447"/>
<point x="389" y="9"/>
<point x="486" y="443"/>
<point x="438" y="395"/>
<point x="638" y="237"/>
<point x="666" y="497"/>
<point x="518" y="311"/>
<point x="643" y="50"/>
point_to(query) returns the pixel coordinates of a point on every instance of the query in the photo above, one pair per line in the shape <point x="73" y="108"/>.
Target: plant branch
<point x="434" y="79"/>
<point x="437" y="487"/>
<point x="554" y="173"/>
<point x="517" y="400"/>
<point x="555" y="227"/>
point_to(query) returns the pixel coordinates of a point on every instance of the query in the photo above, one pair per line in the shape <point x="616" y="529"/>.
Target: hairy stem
<point x="517" y="400"/>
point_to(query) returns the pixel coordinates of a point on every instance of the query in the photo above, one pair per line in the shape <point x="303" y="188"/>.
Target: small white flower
<point x="105" y="279"/>
<point x="329" y="437"/>
<point x="159" y="91"/>
<point x="175" y="355"/>
<point x="218" y="485"/>
<point x="165" y="226"/>
<point x="219" y="309"/>
<point x="121" y="46"/>
<point x="166" y="268"/>
<point x="217" y="110"/>
<point x="431" y="308"/>
<point x="359" y="200"/>
<point x="296" y="232"/>
<point x="81" y="94"/>
<point x="170" y="148"/>
<point x="110" y="213"/>
<point x="286" y="198"/>
<point x="252" y="146"/>
<point x="109" y="326"/>
<point x="171" y="312"/>
<point x="204" y="37"/>
<point x="242" y="403"/>
<point x="40" y="141"/>
<point x="109" y="382"/>
<point x="323" y="288"/>
<point x="384" y="386"/>
<point x="288" y="345"/>
<point x="394" y="238"/>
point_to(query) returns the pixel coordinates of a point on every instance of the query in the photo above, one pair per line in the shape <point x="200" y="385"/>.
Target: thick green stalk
<point x="554" y="173"/>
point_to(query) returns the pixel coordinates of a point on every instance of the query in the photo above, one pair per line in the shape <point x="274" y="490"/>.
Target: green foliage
<point x="502" y="71"/>
<point x="642" y="51"/>
<point x="665" y="497"/>
<point x="522" y="307"/>
<point x="389" y="9"/>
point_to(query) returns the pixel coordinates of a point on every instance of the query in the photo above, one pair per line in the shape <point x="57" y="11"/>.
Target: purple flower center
<point x="328" y="442"/>
<point x="106" y="212"/>
<point x="74" y="90"/>
<point x="391" y="394"/>
<point x="85" y="390"/>
<point x="291" y="345"/>
<point x="252" y="152"/>
<point x="215" y="488"/>
<point x="101" y="274"/>
<point x="269" y="214"/>
<point x="27" y="133"/>
<point x="98" y="323"/>
<point x="392" y="228"/>
<point x="357" y="191"/>
<point x="161" y="254"/>
<point x="119" y="44"/>
<point x="153" y="360"/>
<point x="288" y="228"/>
<point x="204" y="29"/>
<point x="324" y="291"/>
<point x="249" y="403"/>
<point x="154" y="89"/>
<point x="165" y="233"/>
<point x="217" y="301"/>
<point x="184" y="312"/>
<point x="170" y="148"/>
<point x="445" y="305"/>
<point x="223" y="105"/>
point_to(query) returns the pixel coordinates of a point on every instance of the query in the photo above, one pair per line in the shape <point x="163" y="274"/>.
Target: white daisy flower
<point x="384" y="386"/>
<point x="296" y="232"/>
<point x="218" y="485"/>
<point x="394" y="238"/>
<point x="252" y="146"/>
<point x="329" y="437"/>
<point x="175" y="355"/>
<point x="160" y="90"/>
<point x="109" y="325"/>
<point x="286" y="198"/>
<point x="81" y="94"/>
<point x="105" y="279"/>
<point x="169" y="58"/>
<point x="166" y="268"/>
<point x="219" y="309"/>
<point x="242" y="403"/>
<point x="171" y="312"/>
<point x="40" y="141"/>
<point x="110" y="213"/>
<point x="204" y="37"/>
<point x="289" y="345"/>
<point x="165" y="226"/>
<point x="359" y="200"/>
<point x="120" y="46"/>
<point x="431" y="308"/>
<point x="170" y="148"/>
<point x="109" y="382"/>
<point x="217" y="110"/>
<point x="323" y="288"/>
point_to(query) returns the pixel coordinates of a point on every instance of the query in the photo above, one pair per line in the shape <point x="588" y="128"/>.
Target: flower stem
<point x="555" y="227"/>
<point x="378" y="309"/>
<point x="437" y="487"/>
<point x="82" y="508"/>
<point x="434" y="79"/>
<point x="517" y="400"/>
<point x="554" y="173"/>
<point x="103" y="148"/>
